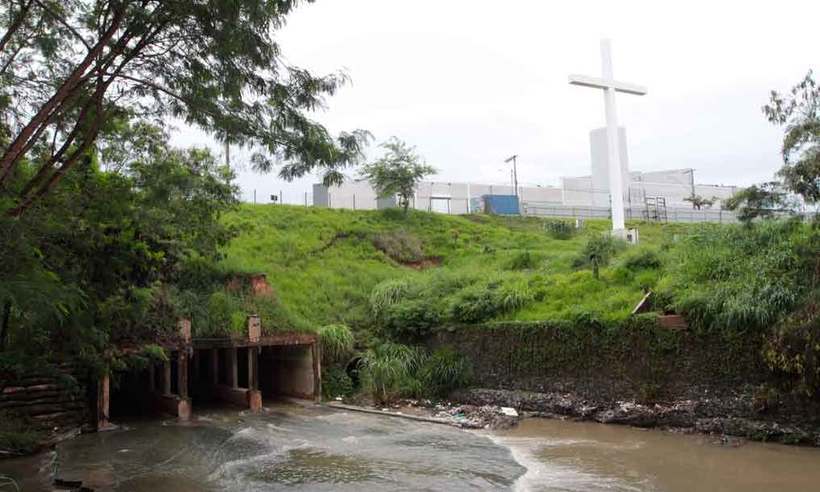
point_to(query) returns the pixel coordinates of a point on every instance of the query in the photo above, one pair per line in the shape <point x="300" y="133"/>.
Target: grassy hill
<point x="330" y="266"/>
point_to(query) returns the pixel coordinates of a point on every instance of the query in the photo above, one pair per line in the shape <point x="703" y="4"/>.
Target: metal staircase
<point x="655" y="208"/>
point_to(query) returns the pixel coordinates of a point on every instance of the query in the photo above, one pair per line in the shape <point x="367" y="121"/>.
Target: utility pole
<point x="514" y="158"/>
<point x="692" y="175"/>
<point x="227" y="153"/>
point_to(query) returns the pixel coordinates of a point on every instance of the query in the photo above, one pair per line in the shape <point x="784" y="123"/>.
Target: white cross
<point x="610" y="86"/>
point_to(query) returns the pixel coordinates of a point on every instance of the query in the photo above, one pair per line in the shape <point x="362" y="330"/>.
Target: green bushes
<point x="390" y="371"/>
<point x="410" y="310"/>
<point x="641" y="258"/>
<point x="559" y="229"/>
<point x="598" y="251"/>
<point x="400" y="246"/>
<point x="336" y="382"/>
<point x="17" y="435"/>
<point x="741" y="278"/>
<point x="525" y="260"/>
<point x="483" y="301"/>
<point x="444" y="371"/>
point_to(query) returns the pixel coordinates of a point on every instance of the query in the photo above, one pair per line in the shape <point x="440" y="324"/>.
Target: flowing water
<point x="315" y="448"/>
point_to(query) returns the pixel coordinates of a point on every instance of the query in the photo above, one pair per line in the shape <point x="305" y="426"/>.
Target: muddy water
<point x="292" y="447"/>
<point x="578" y="456"/>
<point x="315" y="448"/>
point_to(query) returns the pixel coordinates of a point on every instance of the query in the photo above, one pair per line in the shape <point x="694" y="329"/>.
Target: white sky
<point x="470" y="82"/>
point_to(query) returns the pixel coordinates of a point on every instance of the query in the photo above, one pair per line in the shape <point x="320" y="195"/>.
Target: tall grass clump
<point x="445" y="370"/>
<point x="388" y="293"/>
<point x="337" y="342"/>
<point x="483" y="301"/>
<point x="390" y="371"/>
<point x="741" y="278"/>
<point x="559" y="229"/>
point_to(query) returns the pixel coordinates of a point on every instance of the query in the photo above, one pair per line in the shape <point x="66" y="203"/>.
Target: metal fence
<point x="458" y="206"/>
<point x="672" y="214"/>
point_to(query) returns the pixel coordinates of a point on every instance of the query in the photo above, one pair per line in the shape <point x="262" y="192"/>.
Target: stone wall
<point x="47" y="400"/>
<point x="636" y="360"/>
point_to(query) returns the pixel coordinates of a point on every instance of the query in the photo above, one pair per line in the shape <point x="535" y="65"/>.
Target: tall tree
<point x="68" y="68"/>
<point x="397" y="172"/>
<point x="799" y="112"/>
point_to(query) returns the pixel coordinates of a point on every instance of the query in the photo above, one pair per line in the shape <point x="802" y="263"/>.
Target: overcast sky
<point x="470" y="82"/>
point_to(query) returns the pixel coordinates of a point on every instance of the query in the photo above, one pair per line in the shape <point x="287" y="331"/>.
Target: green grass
<point x="324" y="264"/>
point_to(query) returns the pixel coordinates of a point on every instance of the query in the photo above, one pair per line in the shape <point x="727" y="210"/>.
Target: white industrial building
<point x="652" y="195"/>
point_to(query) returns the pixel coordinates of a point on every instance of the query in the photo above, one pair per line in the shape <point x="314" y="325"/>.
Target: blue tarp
<point x="501" y="204"/>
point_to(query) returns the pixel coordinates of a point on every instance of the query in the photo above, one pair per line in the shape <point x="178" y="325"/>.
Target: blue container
<point x="501" y="204"/>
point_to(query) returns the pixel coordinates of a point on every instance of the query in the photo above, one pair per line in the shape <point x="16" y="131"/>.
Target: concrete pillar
<point x="254" y="328"/>
<point x="152" y="378"/>
<point x="182" y="373"/>
<point x="233" y="368"/>
<point x="166" y="377"/>
<point x="195" y="363"/>
<point x="184" y="329"/>
<point x="103" y="402"/>
<point x="253" y="368"/>
<point x="215" y="366"/>
<point x="316" y="355"/>
<point x="254" y="395"/>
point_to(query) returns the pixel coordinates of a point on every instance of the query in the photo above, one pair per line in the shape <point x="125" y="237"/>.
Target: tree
<point x="98" y="258"/>
<point x="69" y="69"/>
<point x="698" y="202"/>
<point x="758" y="201"/>
<point x="397" y="172"/>
<point x="799" y="111"/>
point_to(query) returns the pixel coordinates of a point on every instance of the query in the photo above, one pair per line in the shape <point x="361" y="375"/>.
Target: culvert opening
<point x="287" y="371"/>
<point x="130" y="395"/>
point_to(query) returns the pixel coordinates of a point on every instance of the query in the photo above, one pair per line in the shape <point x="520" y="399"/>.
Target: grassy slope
<point x="323" y="265"/>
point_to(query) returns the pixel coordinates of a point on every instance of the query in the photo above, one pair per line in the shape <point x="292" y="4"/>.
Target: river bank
<point x="726" y="416"/>
<point x="736" y="415"/>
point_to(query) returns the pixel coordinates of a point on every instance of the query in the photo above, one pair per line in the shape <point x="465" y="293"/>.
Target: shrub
<point x="336" y="382"/>
<point x="225" y="313"/>
<point x="390" y="371"/>
<point x="17" y="435"/>
<point x="524" y="260"/>
<point x="388" y="293"/>
<point x="480" y="302"/>
<point x="444" y="371"/>
<point x="559" y="229"/>
<point x="399" y="246"/>
<point x="411" y="319"/>
<point x="598" y="251"/>
<point x="641" y="258"/>
<point x="337" y="342"/>
<point x="741" y="278"/>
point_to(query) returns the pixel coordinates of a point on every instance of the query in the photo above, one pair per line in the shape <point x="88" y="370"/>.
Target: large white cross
<point x="608" y="83"/>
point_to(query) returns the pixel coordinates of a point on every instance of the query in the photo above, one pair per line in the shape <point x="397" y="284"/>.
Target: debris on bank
<point x="463" y="416"/>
